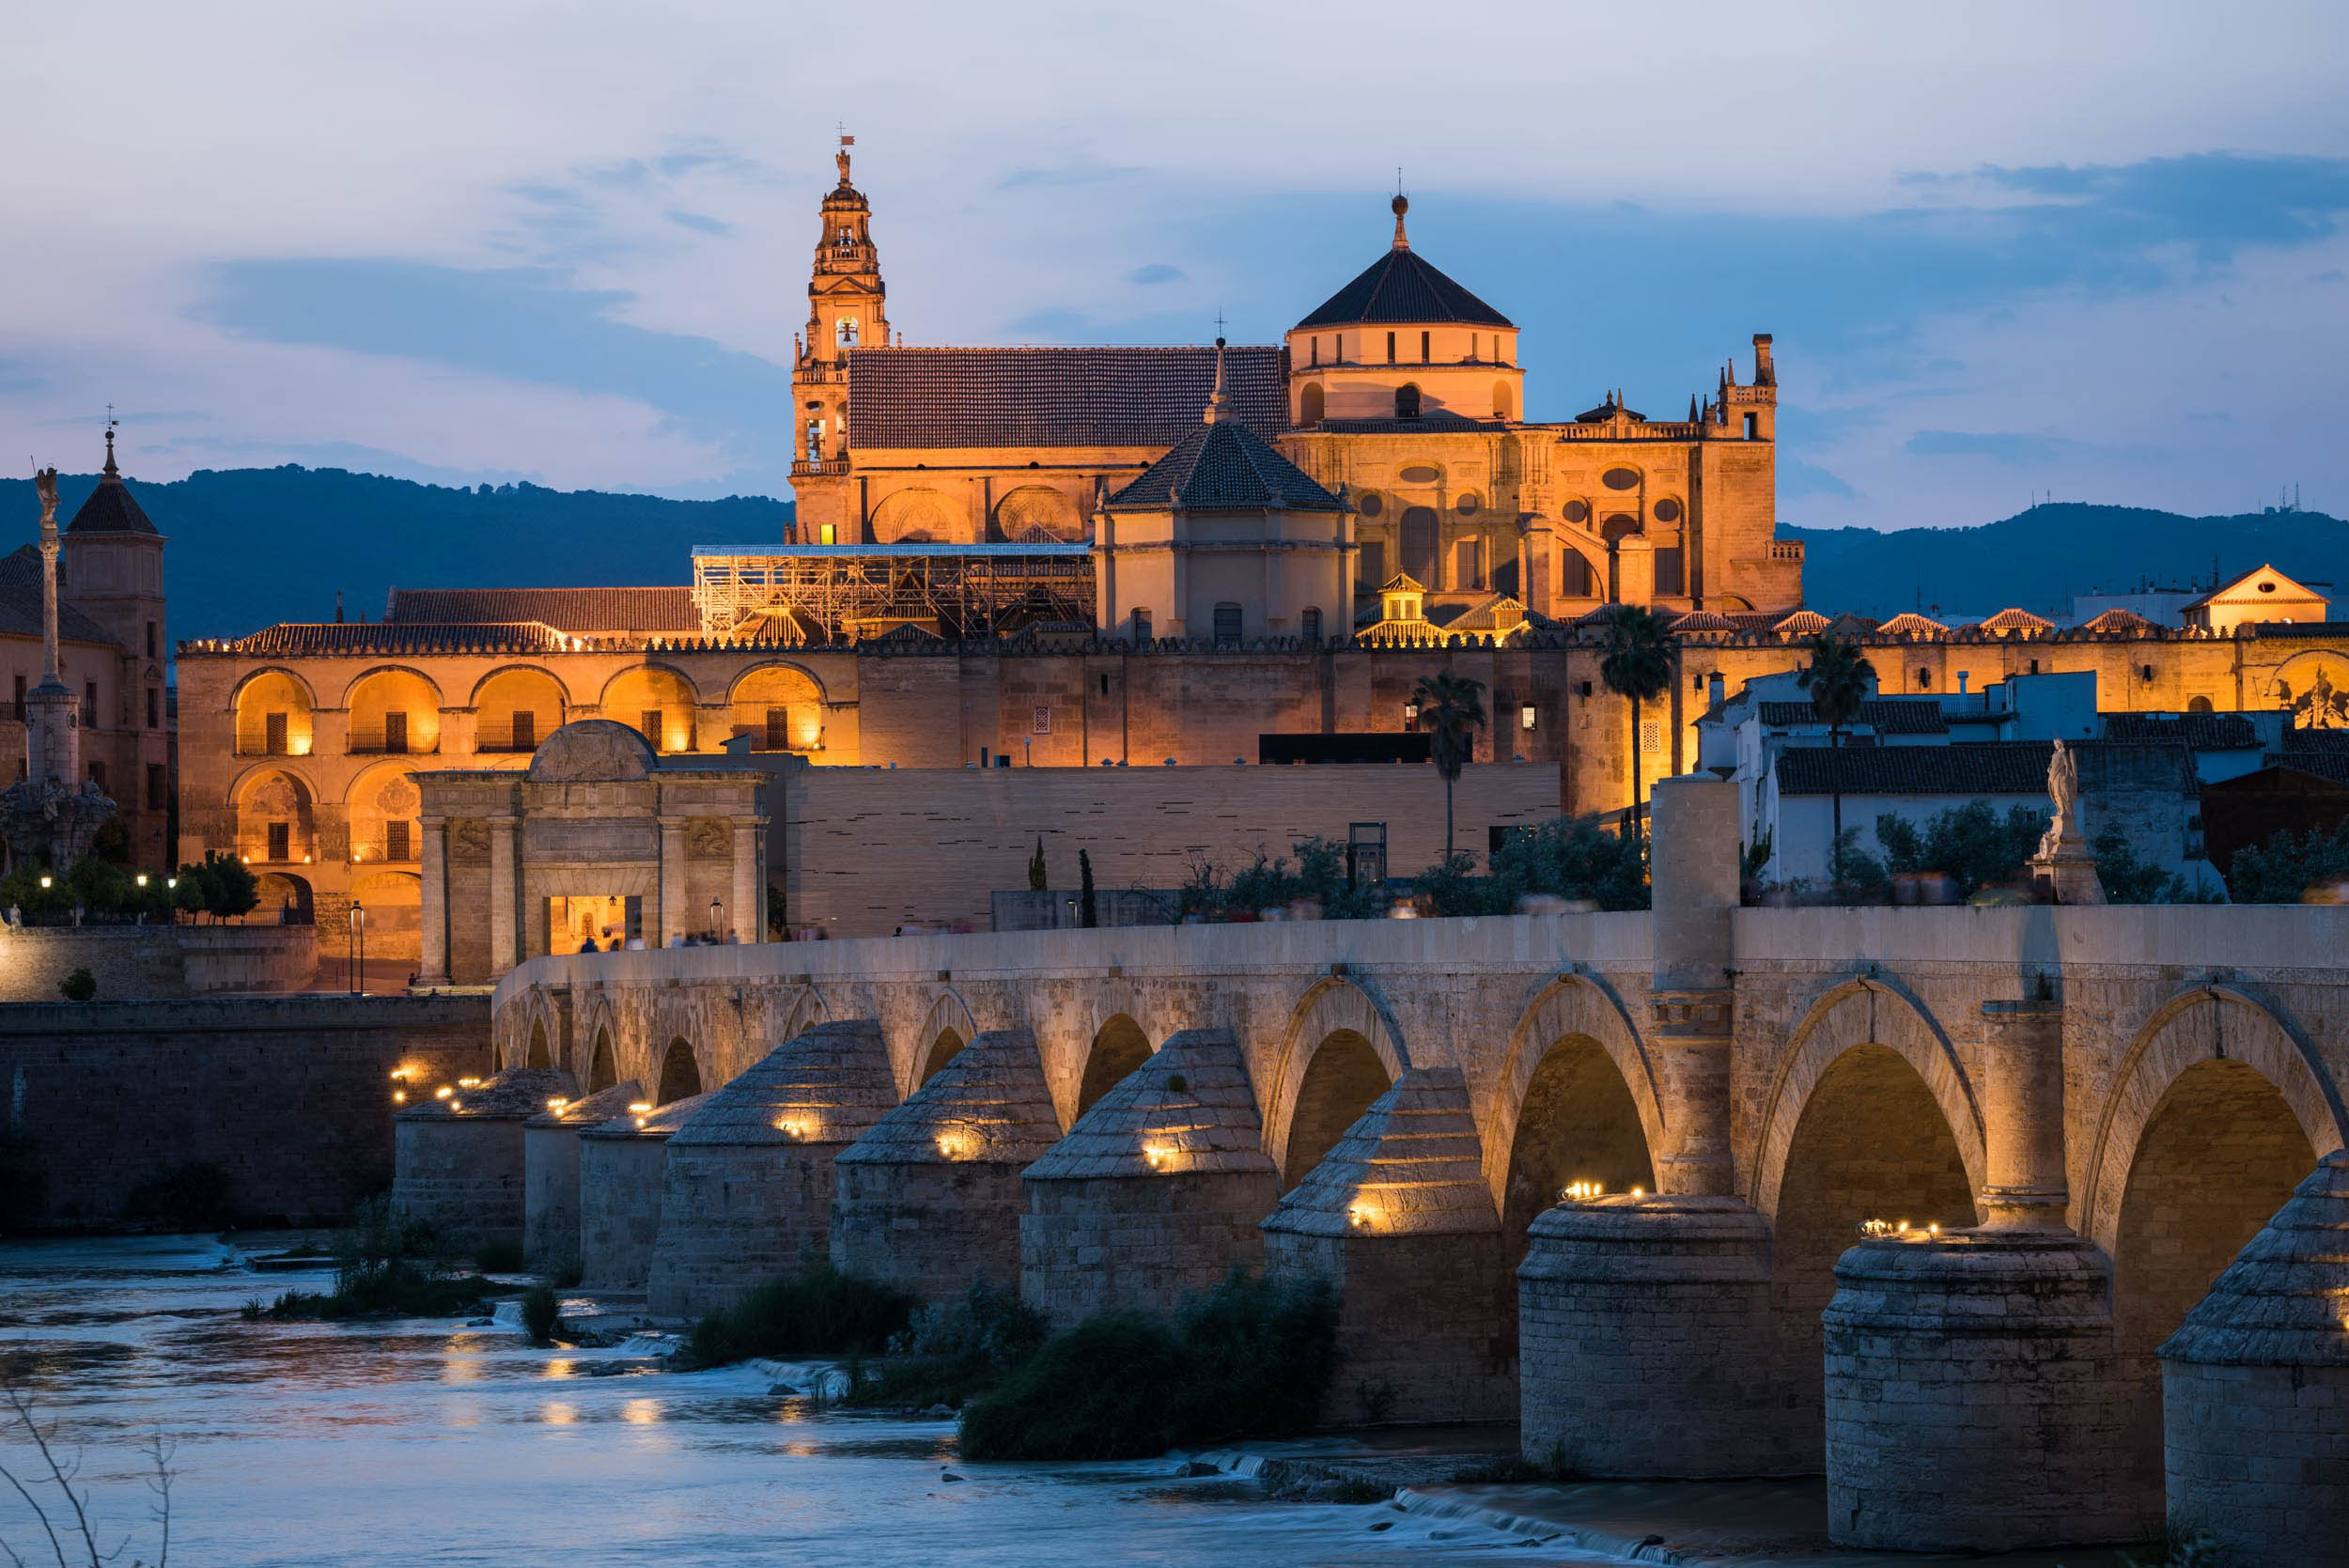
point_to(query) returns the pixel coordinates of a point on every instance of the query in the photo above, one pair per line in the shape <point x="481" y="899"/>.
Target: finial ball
<point x="1219" y="342"/>
<point x="1401" y="203"/>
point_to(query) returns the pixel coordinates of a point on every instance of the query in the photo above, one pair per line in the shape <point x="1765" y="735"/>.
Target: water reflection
<point x="419" y="1442"/>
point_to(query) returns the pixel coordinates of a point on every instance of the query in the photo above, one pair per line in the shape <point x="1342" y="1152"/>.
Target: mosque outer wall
<point x="944" y="707"/>
<point x="288" y="1095"/>
<point x="134" y="963"/>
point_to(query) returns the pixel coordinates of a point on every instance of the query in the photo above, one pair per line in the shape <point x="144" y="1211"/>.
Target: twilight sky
<point x="2096" y="249"/>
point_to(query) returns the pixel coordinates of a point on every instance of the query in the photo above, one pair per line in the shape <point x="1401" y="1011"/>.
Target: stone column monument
<point x="2064" y="863"/>
<point x="50" y="815"/>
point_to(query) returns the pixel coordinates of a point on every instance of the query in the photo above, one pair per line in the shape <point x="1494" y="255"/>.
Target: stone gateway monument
<point x="49" y="816"/>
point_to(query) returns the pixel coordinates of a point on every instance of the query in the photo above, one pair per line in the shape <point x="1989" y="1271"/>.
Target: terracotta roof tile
<point x="1886" y="714"/>
<point x="2011" y="619"/>
<point x="2203" y="732"/>
<point x="1224" y="467"/>
<point x="584" y="611"/>
<point x="298" y="639"/>
<point x="1972" y="767"/>
<point x="1099" y="397"/>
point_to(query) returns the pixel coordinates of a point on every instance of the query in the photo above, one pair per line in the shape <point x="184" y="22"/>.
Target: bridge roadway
<point x="2105" y="1104"/>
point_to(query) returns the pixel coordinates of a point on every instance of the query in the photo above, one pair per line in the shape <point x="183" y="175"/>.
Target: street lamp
<point x="715" y="909"/>
<point x="359" y="949"/>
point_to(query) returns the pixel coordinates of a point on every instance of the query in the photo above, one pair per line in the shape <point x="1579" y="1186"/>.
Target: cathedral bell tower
<point x="845" y="310"/>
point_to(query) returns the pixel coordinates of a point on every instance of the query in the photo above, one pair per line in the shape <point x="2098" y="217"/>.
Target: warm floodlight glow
<point x="1579" y="1192"/>
<point x="640" y="1106"/>
<point x="557" y="1103"/>
<point x="1158" y="1156"/>
<point x="1359" y="1217"/>
<point x="468" y="1083"/>
<point x="1639" y="1192"/>
<point x="443" y="1092"/>
<point x="399" y="1097"/>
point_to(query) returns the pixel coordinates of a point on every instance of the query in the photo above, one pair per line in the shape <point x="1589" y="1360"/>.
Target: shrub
<point x="569" y="1273"/>
<point x="2287" y="866"/>
<point x="817" y="1311"/>
<point x="1974" y="846"/>
<point x="953" y="1350"/>
<point x="499" y="1257"/>
<point x="1252" y="1356"/>
<point x="542" y="1313"/>
<point x="387" y="1267"/>
<point x="81" y="986"/>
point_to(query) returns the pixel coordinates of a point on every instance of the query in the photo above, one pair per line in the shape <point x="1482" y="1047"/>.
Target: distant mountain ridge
<point x="253" y="546"/>
<point x="2038" y="559"/>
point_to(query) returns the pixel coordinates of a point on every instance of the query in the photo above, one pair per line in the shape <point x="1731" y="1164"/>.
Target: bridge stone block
<point x="619" y="1193"/>
<point x="1396" y="1216"/>
<point x="1975" y="1400"/>
<point x="1643" y="1330"/>
<point x="930" y="1198"/>
<point x="2255" y="1389"/>
<point x="747" y="1185"/>
<point x="459" y="1158"/>
<point x="1155" y="1192"/>
<point x="551" y="1174"/>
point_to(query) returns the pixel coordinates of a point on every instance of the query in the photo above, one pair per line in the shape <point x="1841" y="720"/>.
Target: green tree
<point x="1971" y="844"/>
<point x="1088" y="906"/>
<point x="1037" y="879"/>
<point x="2289" y="866"/>
<point x="1838" y="678"/>
<point x="1638" y="655"/>
<point x="220" y="885"/>
<point x="1451" y="711"/>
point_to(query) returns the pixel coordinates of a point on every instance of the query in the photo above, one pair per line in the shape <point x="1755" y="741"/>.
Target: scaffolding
<point x="853" y="593"/>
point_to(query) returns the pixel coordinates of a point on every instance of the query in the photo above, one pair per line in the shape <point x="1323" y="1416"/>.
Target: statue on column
<point x="2064" y="864"/>
<point x="49" y="816"/>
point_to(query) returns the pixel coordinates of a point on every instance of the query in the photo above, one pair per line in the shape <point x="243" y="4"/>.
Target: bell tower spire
<point x="846" y="313"/>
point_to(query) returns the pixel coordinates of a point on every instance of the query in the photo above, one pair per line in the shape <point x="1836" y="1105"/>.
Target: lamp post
<point x="715" y="910"/>
<point x="359" y="949"/>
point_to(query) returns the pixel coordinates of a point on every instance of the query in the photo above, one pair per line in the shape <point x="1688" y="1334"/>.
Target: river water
<point x="421" y="1441"/>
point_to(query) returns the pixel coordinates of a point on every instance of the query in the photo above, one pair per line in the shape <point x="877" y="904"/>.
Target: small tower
<point x="847" y="309"/>
<point x="50" y="815"/>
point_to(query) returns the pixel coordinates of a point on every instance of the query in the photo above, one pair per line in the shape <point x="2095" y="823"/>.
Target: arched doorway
<point x="603" y="1071"/>
<point x="943" y="1050"/>
<point x="1119" y="1047"/>
<point x="1871" y="1143"/>
<point x="1419" y="544"/>
<point x="680" y="1075"/>
<point x="2220" y="1156"/>
<point x="538" y="1057"/>
<point x="1344" y="1077"/>
<point x="284" y="899"/>
<point x="1578" y="1123"/>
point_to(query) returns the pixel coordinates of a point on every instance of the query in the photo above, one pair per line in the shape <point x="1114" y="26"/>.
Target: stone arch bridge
<point x="2131" y="1091"/>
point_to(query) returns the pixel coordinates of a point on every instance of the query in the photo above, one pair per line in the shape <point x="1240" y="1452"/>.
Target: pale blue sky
<point x="2096" y="249"/>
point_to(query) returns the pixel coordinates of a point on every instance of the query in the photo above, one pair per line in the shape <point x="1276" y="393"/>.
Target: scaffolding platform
<point x="857" y="592"/>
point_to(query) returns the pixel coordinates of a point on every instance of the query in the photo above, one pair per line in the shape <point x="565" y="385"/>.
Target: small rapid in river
<point x="432" y="1442"/>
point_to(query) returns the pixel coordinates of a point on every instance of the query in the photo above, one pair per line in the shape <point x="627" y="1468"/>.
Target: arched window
<point x="1309" y="624"/>
<point x="1504" y="407"/>
<point x="2199" y="704"/>
<point x="1406" y="401"/>
<point x="1309" y="404"/>
<point x="1227" y="624"/>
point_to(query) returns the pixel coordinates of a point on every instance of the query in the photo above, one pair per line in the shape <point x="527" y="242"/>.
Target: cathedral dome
<point x="1400" y="288"/>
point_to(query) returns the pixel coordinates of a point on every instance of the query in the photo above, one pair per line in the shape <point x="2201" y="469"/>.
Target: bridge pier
<point x="619" y="1193"/>
<point x="929" y="1199"/>
<point x="2255" y="1389"/>
<point x="1974" y="1397"/>
<point x="1155" y="1192"/>
<point x="459" y="1158"/>
<point x="746" y="1187"/>
<point x="551" y="1174"/>
<point x="1397" y="1216"/>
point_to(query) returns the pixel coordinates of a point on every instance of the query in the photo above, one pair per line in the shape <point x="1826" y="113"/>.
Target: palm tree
<point x="1838" y="678"/>
<point x="1451" y="711"/>
<point x="1637" y="656"/>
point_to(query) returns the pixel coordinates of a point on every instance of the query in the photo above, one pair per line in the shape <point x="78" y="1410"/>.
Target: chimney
<point x="1763" y="375"/>
<point x="1961" y="681"/>
<point x="1714" y="692"/>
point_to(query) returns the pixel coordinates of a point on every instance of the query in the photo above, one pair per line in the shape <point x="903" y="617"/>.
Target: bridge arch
<point x="1340" y="1051"/>
<point x="1865" y="1011"/>
<point x="947" y="1029"/>
<point x="1117" y="1047"/>
<point x="601" y="1068"/>
<point x="1577" y="1100"/>
<point x="680" y="1076"/>
<point x="807" y="1011"/>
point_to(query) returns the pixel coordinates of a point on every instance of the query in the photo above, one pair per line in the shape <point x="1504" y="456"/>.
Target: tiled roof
<point x="2117" y="619"/>
<point x="2333" y="765"/>
<point x="19" y="616"/>
<point x="1850" y="624"/>
<point x="1909" y="623"/>
<point x="578" y="609"/>
<point x="2296" y="628"/>
<point x="2015" y="620"/>
<point x="1704" y="620"/>
<point x="297" y="639"/>
<point x="2203" y="732"/>
<point x="1973" y="768"/>
<point x="21" y="567"/>
<point x="111" y="507"/>
<point x="1802" y="623"/>
<point x="1399" y="288"/>
<point x="1885" y="715"/>
<point x="1109" y="396"/>
<point x="1224" y="466"/>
